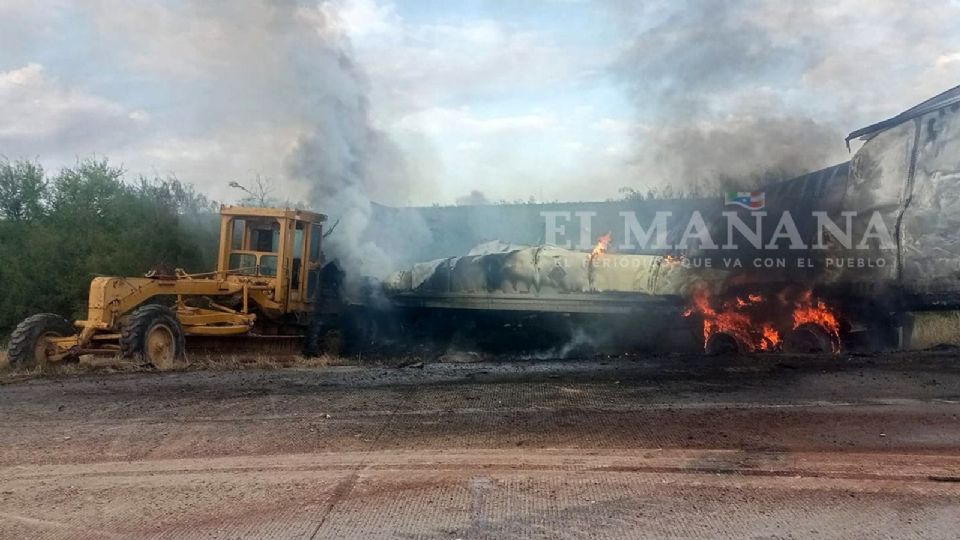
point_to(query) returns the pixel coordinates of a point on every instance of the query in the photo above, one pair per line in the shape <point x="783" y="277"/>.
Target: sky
<point x="429" y="101"/>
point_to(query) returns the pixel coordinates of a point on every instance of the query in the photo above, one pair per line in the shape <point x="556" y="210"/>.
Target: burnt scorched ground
<point x="669" y="447"/>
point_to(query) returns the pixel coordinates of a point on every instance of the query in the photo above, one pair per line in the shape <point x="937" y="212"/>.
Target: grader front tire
<point x="28" y="343"/>
<point x="154" y="334"/>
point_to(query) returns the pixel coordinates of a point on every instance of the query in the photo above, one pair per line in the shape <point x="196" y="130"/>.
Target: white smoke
<point x="341" y="155"/>
<point x="270" y="87"/>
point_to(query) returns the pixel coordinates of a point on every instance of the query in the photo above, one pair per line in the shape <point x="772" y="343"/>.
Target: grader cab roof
<point x="256" y="211"/>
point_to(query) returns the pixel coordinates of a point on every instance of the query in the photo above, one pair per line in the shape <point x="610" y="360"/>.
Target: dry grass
<point x="102" y="365"/>
<point x="258" y="361"/>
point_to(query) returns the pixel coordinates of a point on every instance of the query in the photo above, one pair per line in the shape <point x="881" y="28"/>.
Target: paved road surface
<point x="648" y="448"/>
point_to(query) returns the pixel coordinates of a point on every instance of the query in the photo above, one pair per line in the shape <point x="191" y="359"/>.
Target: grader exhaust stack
<point x="266" y="283"/>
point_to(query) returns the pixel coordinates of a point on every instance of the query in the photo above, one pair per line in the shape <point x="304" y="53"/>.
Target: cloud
<point x="415" y="65"/>
<point x="507" y="101"/>
<point x="481" y="103"/>
<point x="41" y="115"/>
<point x="447" y="103"/>
<point x="271" y="86"/>
<point x="440" y="121"/>
<point x="25" y="26"/>
<point x="365" y="17"/>
<point x="284" y="69"/>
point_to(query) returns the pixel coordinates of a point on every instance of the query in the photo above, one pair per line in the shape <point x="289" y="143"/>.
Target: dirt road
<point x="653" y="448"/>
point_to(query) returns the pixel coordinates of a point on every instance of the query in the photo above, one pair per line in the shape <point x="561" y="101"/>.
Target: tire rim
<point x="160" y="345"/>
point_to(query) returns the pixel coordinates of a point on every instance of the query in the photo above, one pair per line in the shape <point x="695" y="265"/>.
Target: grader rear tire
<point x="28" y="347"/>
<point x="154" y="335"/>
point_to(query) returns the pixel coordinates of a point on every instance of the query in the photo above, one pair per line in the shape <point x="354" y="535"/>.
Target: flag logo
<point x="751" y="200"/>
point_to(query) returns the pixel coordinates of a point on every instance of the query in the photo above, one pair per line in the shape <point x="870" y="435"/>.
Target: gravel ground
<point x="665" y="447"/>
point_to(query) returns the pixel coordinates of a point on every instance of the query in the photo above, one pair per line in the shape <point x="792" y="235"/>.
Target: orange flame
<point x="743" y="317"/>
<point x="813" y="311"/>
<point x="771" y="338"/>
<point x="730" y="319"/>
<point x="602" y="244"/>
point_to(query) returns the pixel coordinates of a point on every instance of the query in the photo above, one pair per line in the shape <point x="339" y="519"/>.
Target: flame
<point x="730" y="319"/>
<point x="746" y="318"/>
<point x="808" y="310"/>
<point x="602" y="244"/>
<point x="771" y="338"/>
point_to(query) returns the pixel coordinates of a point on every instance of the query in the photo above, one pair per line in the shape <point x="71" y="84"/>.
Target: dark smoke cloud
<point x="474" y="198"/>
<point x="742" y="153"/>
<point x="698" y="77"/>
<point x="698" y="49"/>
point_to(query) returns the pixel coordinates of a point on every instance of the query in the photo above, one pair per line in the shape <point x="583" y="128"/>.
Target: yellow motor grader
<point x="266" y="283"/>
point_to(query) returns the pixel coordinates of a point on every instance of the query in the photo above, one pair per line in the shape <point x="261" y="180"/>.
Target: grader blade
<point x="244" y="347"/>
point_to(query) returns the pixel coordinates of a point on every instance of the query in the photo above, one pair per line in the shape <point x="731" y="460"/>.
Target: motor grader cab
<point x="266" y="283"/>
<point x="277" y="249"/>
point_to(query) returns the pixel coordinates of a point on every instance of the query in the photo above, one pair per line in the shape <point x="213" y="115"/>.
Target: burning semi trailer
<point x="550" y="297"/>
<point x="863" y="255"/>
<point x="609" y="300"/>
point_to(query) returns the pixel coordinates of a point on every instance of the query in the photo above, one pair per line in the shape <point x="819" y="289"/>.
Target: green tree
<point x="22" y="190"/>
<point x="87" y="220"/>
